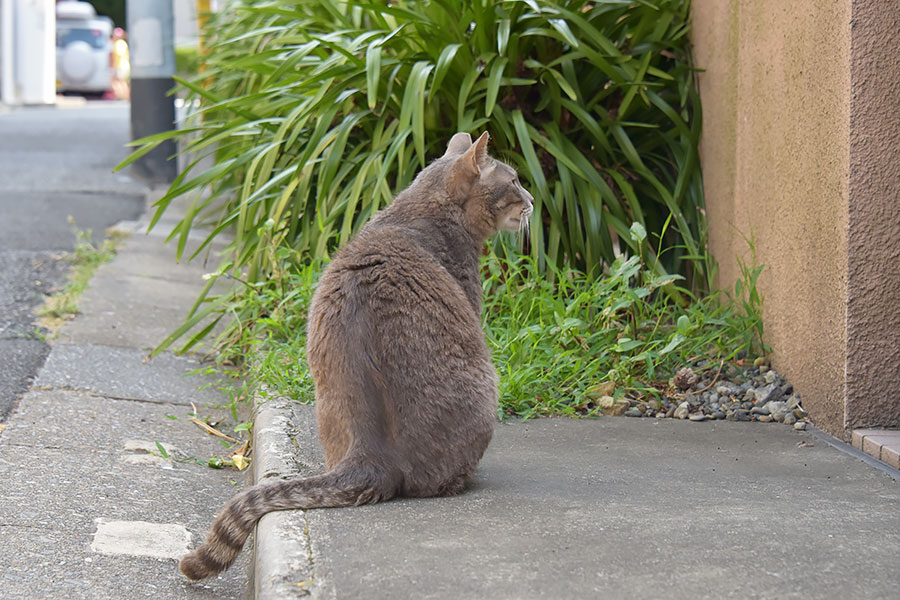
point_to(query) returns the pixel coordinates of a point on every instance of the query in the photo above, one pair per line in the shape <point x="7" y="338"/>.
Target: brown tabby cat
<point x="406" y="394"/>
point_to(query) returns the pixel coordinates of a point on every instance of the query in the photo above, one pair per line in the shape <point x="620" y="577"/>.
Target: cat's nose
<point x="529" y="197"/>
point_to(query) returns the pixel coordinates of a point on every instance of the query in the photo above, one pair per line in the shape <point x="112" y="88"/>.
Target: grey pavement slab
<point x="82" y="421"/>
<point x="623" y="508"/>
<point x="130" y="310"/>
<point x="67" y="465"/>
<point x="164" y="228"/>
<point x="125" y="373"/>
<point x="53" y="501"/>
<point x="62" y="488"/>
<point x="146" y="256"/>
<point x="49" y="564"/>
<point x="140" y="297"/>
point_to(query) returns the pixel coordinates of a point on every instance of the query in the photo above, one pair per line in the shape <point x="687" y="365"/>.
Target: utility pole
<point x="151" y="40"/>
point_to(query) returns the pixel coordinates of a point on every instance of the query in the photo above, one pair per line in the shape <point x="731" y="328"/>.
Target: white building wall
<point x="28" y="51"/>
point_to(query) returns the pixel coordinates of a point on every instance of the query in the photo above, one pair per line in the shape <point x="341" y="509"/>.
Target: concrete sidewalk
<point x="611" y="508"/>
<point x="614" y="508"/>
<point x="89" y="508"/>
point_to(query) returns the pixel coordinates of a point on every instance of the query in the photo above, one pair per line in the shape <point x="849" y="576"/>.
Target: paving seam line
<point x="854" y="452"/>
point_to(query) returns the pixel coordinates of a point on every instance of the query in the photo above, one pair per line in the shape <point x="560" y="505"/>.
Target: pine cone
<point x="685" y="379"/>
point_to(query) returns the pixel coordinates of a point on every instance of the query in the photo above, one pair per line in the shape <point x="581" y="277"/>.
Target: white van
<point x="83" y="49"/>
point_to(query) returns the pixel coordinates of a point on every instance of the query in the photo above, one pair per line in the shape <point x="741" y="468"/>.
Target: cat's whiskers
<point x="524" y="224"/>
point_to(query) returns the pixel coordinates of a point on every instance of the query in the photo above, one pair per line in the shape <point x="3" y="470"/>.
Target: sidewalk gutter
<point x="854" y="452"/>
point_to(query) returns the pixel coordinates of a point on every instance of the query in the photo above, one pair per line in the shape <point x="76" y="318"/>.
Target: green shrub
<point x="554" y="343"/>
<point x="187" y="61"/>
<point x="317" y="113"/>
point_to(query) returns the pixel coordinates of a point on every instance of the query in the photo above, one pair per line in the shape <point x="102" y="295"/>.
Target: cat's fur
<point x="406" y="394"/>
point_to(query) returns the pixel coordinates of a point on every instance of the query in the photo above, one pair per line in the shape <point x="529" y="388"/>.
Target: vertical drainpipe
<point x="151" y="38"/>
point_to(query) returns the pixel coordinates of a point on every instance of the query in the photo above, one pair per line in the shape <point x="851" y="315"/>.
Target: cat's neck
<point x="440" y="229"/>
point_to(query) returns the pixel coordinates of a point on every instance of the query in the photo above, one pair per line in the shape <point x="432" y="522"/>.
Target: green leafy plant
<point x="554" y="343"/>
<point x="317" y="113"/>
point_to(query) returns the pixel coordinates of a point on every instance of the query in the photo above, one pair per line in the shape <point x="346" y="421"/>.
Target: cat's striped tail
<point x="347" y="484"/>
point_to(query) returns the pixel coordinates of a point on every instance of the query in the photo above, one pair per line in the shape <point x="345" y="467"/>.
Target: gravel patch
<point x="714" y="392"/>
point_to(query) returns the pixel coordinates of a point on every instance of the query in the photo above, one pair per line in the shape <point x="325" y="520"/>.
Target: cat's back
<point x="397" y="266"/>
<point x="387" y="295"/>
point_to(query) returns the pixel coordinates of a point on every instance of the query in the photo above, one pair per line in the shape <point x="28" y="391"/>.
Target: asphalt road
<point x="55" y="162"/>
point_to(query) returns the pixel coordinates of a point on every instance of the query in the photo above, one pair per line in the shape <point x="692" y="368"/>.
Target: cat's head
<point x="487" y="189"/>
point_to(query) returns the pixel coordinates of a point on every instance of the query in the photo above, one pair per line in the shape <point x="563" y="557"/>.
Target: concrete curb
<point x="284" y="446"/>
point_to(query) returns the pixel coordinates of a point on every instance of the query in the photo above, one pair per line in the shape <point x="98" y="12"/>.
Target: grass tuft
<point x="85" y="259"/>
<point x="555" y="344"/>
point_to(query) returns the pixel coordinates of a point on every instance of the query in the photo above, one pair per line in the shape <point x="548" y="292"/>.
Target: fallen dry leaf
<point x="242" y="449"/>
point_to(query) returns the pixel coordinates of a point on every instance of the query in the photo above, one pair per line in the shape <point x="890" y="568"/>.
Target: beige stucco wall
<point x="801" y="156"/>
<point x="873" y="281"/>
<point x="776" y="166"/>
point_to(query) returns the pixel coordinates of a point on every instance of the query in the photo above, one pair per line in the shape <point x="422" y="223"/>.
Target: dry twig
<point x="212" y="430"/>
<point x="713" y="382"/>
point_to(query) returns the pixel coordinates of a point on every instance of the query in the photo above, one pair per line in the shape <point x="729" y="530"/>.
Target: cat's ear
<point x="459" y="143"/>
<point x="466" y="168"/>
<point x="475" y="156"/>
